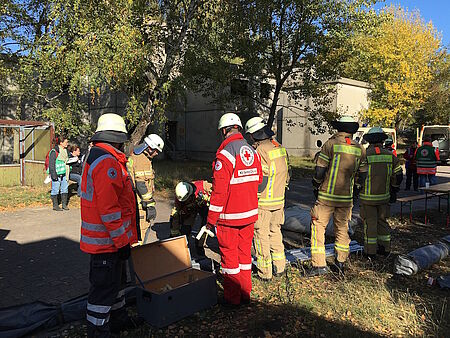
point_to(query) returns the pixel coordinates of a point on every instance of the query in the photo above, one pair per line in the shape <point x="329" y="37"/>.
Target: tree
<point x="291" y="44"/>
<point x="397" y="59"/>
<point x="86" y="47"/>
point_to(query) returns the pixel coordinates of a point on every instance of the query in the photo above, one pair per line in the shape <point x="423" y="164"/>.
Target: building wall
<point x="298" y="134"/>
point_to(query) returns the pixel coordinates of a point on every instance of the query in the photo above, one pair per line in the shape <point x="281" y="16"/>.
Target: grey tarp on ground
<point x="17" y="321"/>
<point x="422" y="258"/>
<point x="298" y="220"/>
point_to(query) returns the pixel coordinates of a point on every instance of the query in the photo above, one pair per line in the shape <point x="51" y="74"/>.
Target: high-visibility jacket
<point x="108" y="205"/>
<point x="143" y="176"/>
<point x="343" y="158"/>
<point x="236" y="176"/>
<point x="274" y="163"/>
<point x="427" y="157"/>
<point x="383" y="168"/>
<point x="202" y="195"/>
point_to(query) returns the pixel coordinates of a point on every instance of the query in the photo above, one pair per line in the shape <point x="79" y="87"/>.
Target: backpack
<point x="47" y="158"/>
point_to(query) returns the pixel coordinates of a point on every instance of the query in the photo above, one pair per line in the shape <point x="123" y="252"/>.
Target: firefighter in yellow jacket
<point x="380" y="187"/>
<point x="340" y="165"/>
<point x="268" y="240"/>
<point x="141" y="172"/>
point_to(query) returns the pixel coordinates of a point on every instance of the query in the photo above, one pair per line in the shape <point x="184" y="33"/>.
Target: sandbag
<point x="422" y="258"/>
<point x="299" y="220"/>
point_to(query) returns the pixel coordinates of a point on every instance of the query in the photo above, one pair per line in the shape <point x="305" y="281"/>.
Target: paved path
<point x="40" y="257"/>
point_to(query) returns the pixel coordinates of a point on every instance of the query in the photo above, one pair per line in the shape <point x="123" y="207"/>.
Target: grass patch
<point x="301" y="166"/>
<point x="169" y="173"/>
<point x="13" y="198"/>
<point x="20" y="197"/>
<point x="368" y="302"/>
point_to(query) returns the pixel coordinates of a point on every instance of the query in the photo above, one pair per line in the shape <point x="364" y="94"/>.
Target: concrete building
<point x="191" y="129"/>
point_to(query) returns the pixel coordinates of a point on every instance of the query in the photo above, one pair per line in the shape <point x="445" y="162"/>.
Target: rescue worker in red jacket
<point x="233" y="208"/>
<point x="108" y="226"/>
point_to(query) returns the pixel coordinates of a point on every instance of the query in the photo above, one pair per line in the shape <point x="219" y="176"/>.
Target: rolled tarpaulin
<point x="422" y="258"/>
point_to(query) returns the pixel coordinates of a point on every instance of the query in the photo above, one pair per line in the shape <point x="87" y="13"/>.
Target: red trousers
<point x="235" y="245"/>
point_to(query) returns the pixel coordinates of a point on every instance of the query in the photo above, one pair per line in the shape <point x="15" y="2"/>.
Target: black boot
<point x="381" y="250"/>
<point x="64" y="200"/>
<point x="338" y="267"/>
<point x="55" y="203"/>
<point x="317" y="271"/>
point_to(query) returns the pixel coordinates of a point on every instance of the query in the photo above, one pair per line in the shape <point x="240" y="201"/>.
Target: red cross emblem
<point x="247" y="156"/>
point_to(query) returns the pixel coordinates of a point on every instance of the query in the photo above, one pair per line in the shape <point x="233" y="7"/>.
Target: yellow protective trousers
<point x="268" y="242"/>
<point x="377" y="231"/>
<point x="320" y="216"/>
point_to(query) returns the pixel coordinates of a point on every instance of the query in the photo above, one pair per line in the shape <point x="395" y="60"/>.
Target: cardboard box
<point x="169" y="289"/>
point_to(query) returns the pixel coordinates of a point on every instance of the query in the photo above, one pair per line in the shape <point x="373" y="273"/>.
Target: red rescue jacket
<point x="108" y="205"/>
<point x="236" y="175"/>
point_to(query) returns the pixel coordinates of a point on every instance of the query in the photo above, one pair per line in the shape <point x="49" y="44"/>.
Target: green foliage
<point x="398" y="57"/>
<point x="288" y="44"/>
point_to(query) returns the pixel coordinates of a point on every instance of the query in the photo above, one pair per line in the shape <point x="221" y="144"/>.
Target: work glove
<point x="124" y="252"/>
<point x="150" y="213"/>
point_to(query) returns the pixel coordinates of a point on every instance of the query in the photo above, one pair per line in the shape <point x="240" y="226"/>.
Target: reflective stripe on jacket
<point x="236" y="176"/>
<point x="274" y="163"/>
<point x="427" y="157"/>
<point x="108" y="211"/>
<point x="383" y="166"/>
<point x="343" y="158"/>
<point x="143" y="176"/>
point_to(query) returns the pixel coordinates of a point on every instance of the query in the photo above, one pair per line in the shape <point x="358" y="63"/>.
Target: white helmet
<point x="152" y="141"/>
<point x="155" y="142"/>
<point x="254" y="124"/>
<point x="228" y="120"/>
<point x="183" y="191"/>
<point x="111" y="122"/>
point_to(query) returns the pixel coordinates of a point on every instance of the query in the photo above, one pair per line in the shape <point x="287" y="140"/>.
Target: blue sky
<point x="438" y="11"/>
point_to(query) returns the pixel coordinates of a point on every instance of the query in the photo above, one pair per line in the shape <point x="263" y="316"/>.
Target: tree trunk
<point x="273" y="107"/>
<point x="141" y="128"/>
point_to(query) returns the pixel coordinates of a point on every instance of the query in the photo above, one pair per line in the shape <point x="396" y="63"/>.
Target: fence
<point x="23" y="148"/>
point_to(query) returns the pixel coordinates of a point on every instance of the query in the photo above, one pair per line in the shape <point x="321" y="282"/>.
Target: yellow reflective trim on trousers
<point x="384" y="238"/>
<point x="370" y="240"/>
<point x="143" y="173"/>
<point x="379" y="158"/>
<point x="147" y="196"/>
<point x="341" y="247"/>
<point x="278" y="256"/>
<point x="276" y="153"/>
<point x="263" y="263"/>
<point x="313" y="235"/>
<point x="318" y="250"/>
<point x="258" y="247"/>
<point x="351" y="150"/>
